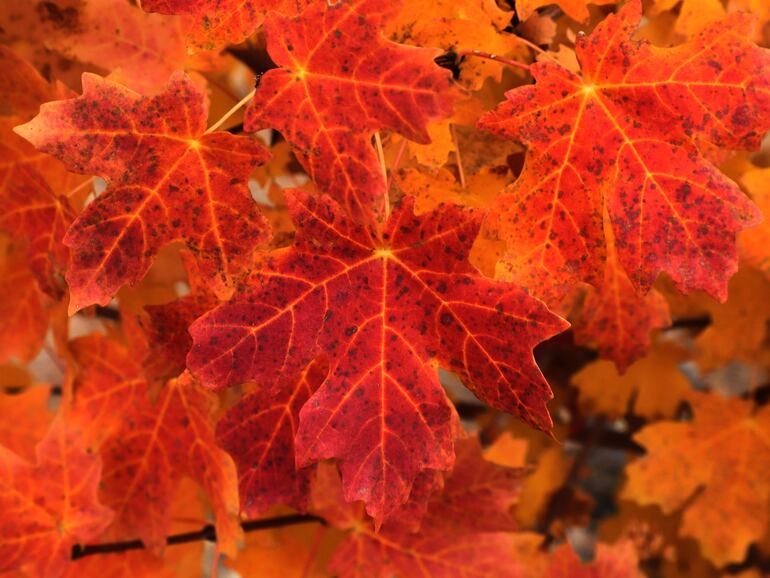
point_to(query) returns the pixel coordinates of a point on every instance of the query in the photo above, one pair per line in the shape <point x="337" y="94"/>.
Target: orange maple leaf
<point x="47" y="508"/>
<point x="617" y="145"/>
<point x="715" y="467"/>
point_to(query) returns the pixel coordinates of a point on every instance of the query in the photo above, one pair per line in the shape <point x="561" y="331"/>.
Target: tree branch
<point x="208" y="533"/>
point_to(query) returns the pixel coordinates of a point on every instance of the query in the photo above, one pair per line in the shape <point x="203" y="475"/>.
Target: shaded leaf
<point x="47" y="508"/>
<point x="715" y="467"/>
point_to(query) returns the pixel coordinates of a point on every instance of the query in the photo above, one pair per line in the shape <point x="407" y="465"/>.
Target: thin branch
<point x="231" y="112"/>
<point x="495" y="57"/>
<point x="208" y="533"/>
<point x="458" y="157"/>
<point x="381" y="155"/>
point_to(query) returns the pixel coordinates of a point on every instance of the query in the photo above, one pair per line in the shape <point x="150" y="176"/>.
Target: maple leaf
<point x="217" y="22"/>
<point x="24" y="419"/>
<point x="618" y="144"/>
<point x="652" y="387"/>
<point x="755" y="242"/>
<point x="617" y="318"/>
<point x="22" y="307"/>
<point x="616" y="561"/>
<point x="147" y="447"/>
<point x="258" y="432"/>
<point x="141" y="50"/>
<point x="339" y="81"/>
<point x="30" y="210"/>
<point x="575" y="9"/>
<point x="738" y="328"/>
<point x="450" y="541"/>
<point x="385" y="314"/>
<point x="49" y="507"/>
<point x="165" y="326"/>
<point x="716" y="467"/>
<point x="169" y="181"/>
<point x="459" y="25"/>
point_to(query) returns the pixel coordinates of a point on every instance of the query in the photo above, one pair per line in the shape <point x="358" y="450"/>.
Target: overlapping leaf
<point x="459" y="25"/>
<point x="22" y="307"/>
<point x="385" y="313"/>
<point x="47" y="508"/>
<point x="615" y="317"/>
<point x="218" y="22"/>
<point x="140" y="50"/>
<point x="617" y="561"/>
<point x="24" y="419"/>
<point x="147" y="447"/>
<point x="618" y="144"/>
<point x="652" y="387"/>
<point x="30" y="210"/>
<point x="716" y="467"/>
<point x="575" y="9"/>
<point x="339" y="81"/>
<point x="259" y="434"/>
<point x="449" y="542"/>
<point x="169" y="181"/>
<point x="165" y="326"/>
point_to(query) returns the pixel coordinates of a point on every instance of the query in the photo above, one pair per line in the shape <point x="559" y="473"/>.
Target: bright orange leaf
<point x="617" y="144"/>
<point x="49" y="507"/>
<point x="716" y="468"/>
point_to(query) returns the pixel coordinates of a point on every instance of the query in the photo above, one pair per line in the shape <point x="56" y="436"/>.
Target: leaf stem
<point x="396" y="162"/>
<point x="495" y="57"/>
<point x="231" y="112"/>
<point x="208" y="532"/>
<point x="458" y="157"/>
<point x="537" y="49"/>
<point x="381" y="155"/>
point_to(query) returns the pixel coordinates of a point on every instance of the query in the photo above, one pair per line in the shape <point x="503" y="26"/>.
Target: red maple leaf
<point x="258" y="432"/>
<point x="385" y="313"/>
<point x="618" y="143"/>
<point x="339" y="81"/>
<point x="164" y="327"/>
<point x="168" y="181"/>
<point x="30" y="210"/>
<point x="450" y="542"/>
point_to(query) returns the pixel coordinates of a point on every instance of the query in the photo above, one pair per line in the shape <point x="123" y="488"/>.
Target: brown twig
<point x="208" y="533"/>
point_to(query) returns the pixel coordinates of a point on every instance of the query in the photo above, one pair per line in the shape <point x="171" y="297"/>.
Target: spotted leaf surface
<point x="168" y="182"/>
<point x="385" y="313"/>
<point x="618" y="142"/>
<point x="259" y="433"/>
<point x="48" y="507"/>
<point x="615" y="317"/>
<point x="449" y="543"/>
<point x="339" y="80"/>
<point x="147" y="447"/>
